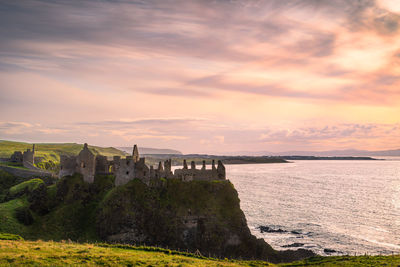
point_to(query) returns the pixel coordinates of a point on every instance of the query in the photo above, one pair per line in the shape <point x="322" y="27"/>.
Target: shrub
<point x="27" y="186"/>
<point x="24" y="215"/>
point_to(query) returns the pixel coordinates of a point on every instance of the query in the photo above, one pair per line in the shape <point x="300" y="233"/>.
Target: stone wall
<point x="68" y="165"/>
<point x="124" y="170"/>
<point x="203" y="174"/>
<point x="17" y="157"/>
<point x="27" y="173"/>
<point x="28" y="157"/>
<point x="86" y="164"/>
<point x="133" y="167"/>
<point x="103" y="166"/>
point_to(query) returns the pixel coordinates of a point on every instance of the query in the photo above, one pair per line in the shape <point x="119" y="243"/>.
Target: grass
<point x="40" y="253"/>
<point x="6" y="181"/>
<point x="51" y="152"/>
<point x="13" y="165"/>
<point x="8" y="220"/>
<point x="349" y="261"/>
<point x="29" y="185"/>
<point x="73" y="216"/>
<point x="6" y="236"/>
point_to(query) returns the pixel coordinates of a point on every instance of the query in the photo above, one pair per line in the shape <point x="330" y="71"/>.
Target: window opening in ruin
<point x="127" y="173"/>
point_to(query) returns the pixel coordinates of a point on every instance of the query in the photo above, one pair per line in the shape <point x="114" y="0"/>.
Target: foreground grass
<point x="40" y="253"/>
<point x="349" y="261"/>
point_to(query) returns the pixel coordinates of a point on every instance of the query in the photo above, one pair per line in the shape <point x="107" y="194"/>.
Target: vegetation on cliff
<point x="197" y="215"/>
<point x="202" y="217"/>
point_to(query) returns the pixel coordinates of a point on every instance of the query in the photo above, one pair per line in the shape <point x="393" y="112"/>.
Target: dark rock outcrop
<point x="199" y="215"/>
<point x="294" y="245"/>
<point x="267" y="229"/>
<point x="328" y="250"/>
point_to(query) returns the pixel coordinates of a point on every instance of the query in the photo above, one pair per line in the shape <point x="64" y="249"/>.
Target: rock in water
<point x="267" y="229"/>
<point x="294" y="245"/>
<point x="328" y="250"/>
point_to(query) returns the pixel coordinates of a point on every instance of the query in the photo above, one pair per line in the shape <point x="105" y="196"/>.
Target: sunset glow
<point x="202" y="76"/>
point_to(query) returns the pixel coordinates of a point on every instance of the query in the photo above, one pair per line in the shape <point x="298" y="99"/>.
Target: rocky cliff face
<point x="203" y="216"/>
<point x="199" y="216"/>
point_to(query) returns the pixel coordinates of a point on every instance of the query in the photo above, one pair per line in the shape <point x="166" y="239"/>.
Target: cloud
<point x="22" y="128"/>
<point x="145" y="121"/>
<point x="183" y="92"/>
<point x="207" y="139"/>
<point x="221" y="82"/>
<point x="332" y="132"/>
<point x="72" y="69"/>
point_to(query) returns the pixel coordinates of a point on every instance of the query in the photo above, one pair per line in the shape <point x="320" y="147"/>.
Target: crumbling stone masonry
<point x="26" y="159"/>
<point x="131" y="167"/>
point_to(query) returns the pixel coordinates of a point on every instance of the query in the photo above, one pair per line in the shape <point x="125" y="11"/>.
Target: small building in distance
<point x="131" y="167"/>
<point x="26" y="159"/>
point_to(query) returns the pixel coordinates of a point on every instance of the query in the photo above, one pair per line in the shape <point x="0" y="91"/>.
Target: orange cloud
<point x="240" y="66"/>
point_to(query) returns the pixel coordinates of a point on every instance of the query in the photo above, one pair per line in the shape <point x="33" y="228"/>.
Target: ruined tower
<point x="185" y="164"/>
<point x="168" y="168"/>
<point x="135" y="154"/>
<point x="28" y="158"/>
<point x="86" y="164"/>
<point x="221" y="170"/>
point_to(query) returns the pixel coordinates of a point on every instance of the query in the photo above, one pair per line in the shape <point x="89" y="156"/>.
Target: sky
<point x="206" y="76"/>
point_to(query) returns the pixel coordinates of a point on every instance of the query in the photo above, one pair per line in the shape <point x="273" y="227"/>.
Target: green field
<point x="47" y="155"/>
<point x="50" y="151"/>
<point x="67" y="253"/>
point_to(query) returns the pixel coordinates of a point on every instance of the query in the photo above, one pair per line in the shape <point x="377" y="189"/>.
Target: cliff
<point x="198" y="216"/>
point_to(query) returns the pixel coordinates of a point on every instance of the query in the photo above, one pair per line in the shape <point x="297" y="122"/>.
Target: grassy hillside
<point x="54" y="212"/>
<point x="52" y="151"/>
<point x="161" y="215"/>
<point x="349" y="261"/>
<point x="40" y="253"/>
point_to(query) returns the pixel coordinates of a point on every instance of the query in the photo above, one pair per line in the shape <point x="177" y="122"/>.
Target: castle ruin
<point x="26" y="159"/>
<point x="131" y="167"/>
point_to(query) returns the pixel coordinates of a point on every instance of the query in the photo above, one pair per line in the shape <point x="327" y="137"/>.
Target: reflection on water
<point x="348" y="206"/>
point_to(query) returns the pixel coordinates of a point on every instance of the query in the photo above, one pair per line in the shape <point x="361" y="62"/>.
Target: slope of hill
<point x="49" y="151"/>
<point x="202" y="216"/>
<point x="40" y="253"/>
<point x="16" y="252"/>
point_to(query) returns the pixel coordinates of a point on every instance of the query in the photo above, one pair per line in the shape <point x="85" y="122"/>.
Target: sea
<point x="332" y="207"/>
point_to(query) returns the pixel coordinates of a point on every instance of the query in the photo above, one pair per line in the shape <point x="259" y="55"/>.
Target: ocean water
<point x="351" y="207"/>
